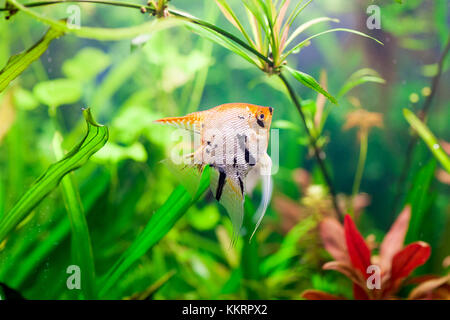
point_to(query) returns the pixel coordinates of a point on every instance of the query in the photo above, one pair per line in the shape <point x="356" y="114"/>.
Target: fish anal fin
<point x="231" y="198"/>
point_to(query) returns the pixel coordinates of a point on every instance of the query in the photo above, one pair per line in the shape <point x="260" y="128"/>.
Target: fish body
<point x="232" y="139"/>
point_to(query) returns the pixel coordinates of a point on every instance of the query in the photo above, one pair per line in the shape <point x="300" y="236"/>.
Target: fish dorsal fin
<point x="228" y="190"/>
<point x="191" y="122"/>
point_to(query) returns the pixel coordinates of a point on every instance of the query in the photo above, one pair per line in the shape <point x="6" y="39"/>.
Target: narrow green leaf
<point x="249" y="256"/>
<point x="231" y="16"/>
<point x="270" y="28"/>
<point x="294" y="13"/>
<point x="359" y="77"/>
<point x="288" y="249"/>
<point x="221" y="40"/>
<point x="310" y="82"/>
<point x="307" y="25"/>
<point x="258" y="16"/>
<point x="306" y="41"/>
<point x="81" y="241"/>
<point x="420" y="198"/>
<point x="429" y="138"/>
<point x="34" y="250"/>
<point x="103" y="34"/>
<point x="160" y="223"/>
<point x="18" y="63"/>
<point x="95" y="138"/>
<point x="154" y="287"/>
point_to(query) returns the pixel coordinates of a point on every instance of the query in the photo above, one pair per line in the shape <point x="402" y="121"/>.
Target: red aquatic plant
<point x="373" y="276"/>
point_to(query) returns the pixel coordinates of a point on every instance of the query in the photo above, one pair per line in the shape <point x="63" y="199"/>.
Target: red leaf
<point x="346" y="269"/>
<point x="393" y="241"/>
<point x="359" y="293"/>
<point x="333" y="238"/>
<point x="319" y="295"/>
<point x="411" y="257"/>
<point x="356" y="246"/>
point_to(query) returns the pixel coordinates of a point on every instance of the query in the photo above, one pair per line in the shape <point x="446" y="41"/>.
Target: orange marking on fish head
<point x="263" y="116"/>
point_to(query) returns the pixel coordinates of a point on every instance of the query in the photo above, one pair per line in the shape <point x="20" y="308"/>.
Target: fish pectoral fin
<point x="252" y="179"/>
<point x="267" y="187"/>
<point x="228" y="190"/>
<point x="187" y="173"/>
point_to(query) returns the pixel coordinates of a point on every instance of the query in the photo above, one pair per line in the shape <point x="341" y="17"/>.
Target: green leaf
<point x="420" y="199"/>
<point x="286" y="125"/>
<point x="96" y="59"/>
<point x="114" y="153"/>
<point x="250" y="261"/>
<point x="95" y="138"/>
<point x="306" y="41"/>
<point x="359" y="77"/>
<point x="24" y="99"/>
<point x="310" y="82"/>
<point x="307" y="25"/>
<point x="205" y="218"/>
<point x="57" y="92"/>
<point x="34" y="251"/>
<point x="258" y="14"/>
<point x="160" y="223"/>
<point x="81" y="241"/>
<point x="288" y="249"/>
<point x="103" y="34"/>
<point x="294" y="13"/>
<point x="428" y="137"/>
<point x="231" y="16"/>
<point x="18" y="63"/>
<point x="221" y="40"/>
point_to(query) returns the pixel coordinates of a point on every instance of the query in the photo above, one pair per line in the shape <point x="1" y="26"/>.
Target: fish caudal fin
<point x="229" y="192"/>
<point x="191" y="122"/>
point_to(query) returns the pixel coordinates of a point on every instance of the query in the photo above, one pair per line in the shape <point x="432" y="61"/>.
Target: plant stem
<point x="152" y="10"/>
<point x="361" y="163"/>
<point x="317" y="151"/>
<point x="422" y="115"/>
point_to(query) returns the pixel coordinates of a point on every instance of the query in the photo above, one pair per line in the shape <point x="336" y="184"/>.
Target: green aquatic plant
<point x="123" y="216"/>
<point x="95" y="138"/>
<point x="269" y="44"/>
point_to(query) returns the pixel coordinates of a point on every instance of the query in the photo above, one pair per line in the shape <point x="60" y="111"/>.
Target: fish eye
<point x="261" y="116"/>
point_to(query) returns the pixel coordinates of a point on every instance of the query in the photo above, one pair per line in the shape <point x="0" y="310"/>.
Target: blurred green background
<point x="174" y="72"/>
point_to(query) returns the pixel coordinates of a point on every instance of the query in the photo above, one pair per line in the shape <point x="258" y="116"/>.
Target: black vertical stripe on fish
<point x="243" y="145"/>
<point x="249" y="158"/>
<point x="241" y="184"/>
<point x="260" y="122"/>
<point x="221" y="184"/>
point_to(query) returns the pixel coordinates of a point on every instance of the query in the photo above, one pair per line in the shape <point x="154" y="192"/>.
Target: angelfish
<point x="232" y="139"/>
